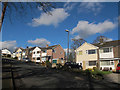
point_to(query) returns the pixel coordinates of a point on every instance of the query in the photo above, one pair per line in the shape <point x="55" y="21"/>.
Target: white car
<point x="26" y="59"/>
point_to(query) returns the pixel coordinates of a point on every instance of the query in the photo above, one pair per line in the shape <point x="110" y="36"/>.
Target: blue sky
<point x="83" y="20"/>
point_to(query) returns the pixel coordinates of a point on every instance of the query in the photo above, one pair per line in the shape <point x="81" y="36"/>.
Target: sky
<point x="85" y="20"/>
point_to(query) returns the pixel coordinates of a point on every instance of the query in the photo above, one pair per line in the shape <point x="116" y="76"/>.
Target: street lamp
<point x="68" y="45"/>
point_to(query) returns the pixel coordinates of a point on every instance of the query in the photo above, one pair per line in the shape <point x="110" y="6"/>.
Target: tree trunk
<point x="3" y="14"/>
<point x="98" y="61"/>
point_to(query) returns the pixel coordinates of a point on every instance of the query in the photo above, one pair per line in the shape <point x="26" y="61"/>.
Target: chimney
<point x="47" y="46"/>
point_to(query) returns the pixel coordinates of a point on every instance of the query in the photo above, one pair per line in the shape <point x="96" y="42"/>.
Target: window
<point x="38" y="51"/>
<point x="91" y="51"/>
<point x="105" y="62"/>
<point x="20" y="52"/>
<point x="80" y="53"/>
<point x="105" y="50"/>
<point x="44" y="51"/>
<point x="54" y="61"/>
<point x="54" y="51"/>
<point x="34" y="52"/>
<point x="92" y="63"/>
<point x="33" y="58"/>
<point x="38" y="58"/>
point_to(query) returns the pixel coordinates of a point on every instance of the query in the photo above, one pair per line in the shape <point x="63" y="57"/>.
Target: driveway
<point x="113" y="77"/>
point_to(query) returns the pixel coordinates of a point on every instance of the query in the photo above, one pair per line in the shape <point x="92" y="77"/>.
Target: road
<point x="30" y="75"/>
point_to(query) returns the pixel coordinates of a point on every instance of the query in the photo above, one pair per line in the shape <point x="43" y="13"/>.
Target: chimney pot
<point x="47" y="45"/>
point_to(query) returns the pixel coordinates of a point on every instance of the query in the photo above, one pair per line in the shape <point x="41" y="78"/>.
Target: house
<point x="6" y="52"/>
<point x="18" y="52"/>
<point x="51" y="53"/>
<point x="13" y="55"/>
<point x="104" y="54"/>
<point x="36" y="54"/>
<point x="28" y="52"/>
<point x="55" y="53"/>
<point x="109" y="54"/>
<point x="87" y="55"/>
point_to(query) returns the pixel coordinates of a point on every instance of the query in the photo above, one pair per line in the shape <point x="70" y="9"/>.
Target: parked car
<point x="71" y="65"/>
<point x="118" y="68"/>
<point x="26" y="59"/>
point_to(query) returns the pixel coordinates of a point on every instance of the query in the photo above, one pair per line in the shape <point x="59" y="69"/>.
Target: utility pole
<point x="68" y="45"/>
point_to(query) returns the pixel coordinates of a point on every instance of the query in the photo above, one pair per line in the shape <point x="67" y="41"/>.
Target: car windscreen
<point x="118" y="65"/>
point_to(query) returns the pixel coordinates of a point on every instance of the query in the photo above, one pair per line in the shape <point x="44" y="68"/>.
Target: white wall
<point x="85" y="56"/>
<point x="106" y="55"/>
<point x="5" y="51"/>
<point x="36" y="54"/>
<point x="44" y="54"/>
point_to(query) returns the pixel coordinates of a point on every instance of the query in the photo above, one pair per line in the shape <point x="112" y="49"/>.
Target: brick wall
<point x="116" y="51"/>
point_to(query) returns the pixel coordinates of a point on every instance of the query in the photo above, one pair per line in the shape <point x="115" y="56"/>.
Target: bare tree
<point x="101" y="39"/>
<point x="75" y="44"/>
<point x="22" y="9"/>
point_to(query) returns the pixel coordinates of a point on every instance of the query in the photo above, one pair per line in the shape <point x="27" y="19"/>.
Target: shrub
<point x="48" y="64"/>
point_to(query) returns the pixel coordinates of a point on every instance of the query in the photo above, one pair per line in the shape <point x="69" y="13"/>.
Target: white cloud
<point x="69" y="6"/>
<point x="95" y="7"/>
<point x="11" y="45"/>
<point x="41" y="42"/>
<point x="85" y="29"/>
<point x="58" y="15"/>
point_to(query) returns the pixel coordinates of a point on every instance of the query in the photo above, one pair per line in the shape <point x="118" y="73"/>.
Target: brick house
<point x="41" y="54"/>
<point x="55" y="52"/>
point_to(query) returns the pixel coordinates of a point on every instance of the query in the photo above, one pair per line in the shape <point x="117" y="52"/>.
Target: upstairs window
<point x="106" y="50"/>
<point x="54" y="51"/>
<point x="80" y="53"/>
<point x="38" y="51"/>
<point x="91" y="51"/>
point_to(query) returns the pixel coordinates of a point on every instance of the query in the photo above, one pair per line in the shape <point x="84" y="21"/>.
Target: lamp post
<point x="68" y="45"/>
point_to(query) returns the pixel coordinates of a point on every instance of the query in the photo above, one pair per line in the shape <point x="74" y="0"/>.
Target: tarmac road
<point x="29" y="75"/>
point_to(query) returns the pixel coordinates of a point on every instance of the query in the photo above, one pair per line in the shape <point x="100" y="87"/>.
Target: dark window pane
<point x="92" y="63"/>
<point x="106" y="50"/>
<point x="91" y="51"/>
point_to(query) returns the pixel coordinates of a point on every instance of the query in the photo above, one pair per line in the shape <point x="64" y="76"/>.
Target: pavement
<point x="113" y="77"/>
<point x="29" y="76"/>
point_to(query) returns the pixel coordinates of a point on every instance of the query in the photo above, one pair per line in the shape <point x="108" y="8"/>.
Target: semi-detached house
<point x="51" y="53"/>
<point x="107" y="53"/>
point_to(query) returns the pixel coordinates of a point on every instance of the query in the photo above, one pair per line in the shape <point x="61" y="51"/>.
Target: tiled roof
<point x="108" y="44"/>
<point x="50" y="47"/>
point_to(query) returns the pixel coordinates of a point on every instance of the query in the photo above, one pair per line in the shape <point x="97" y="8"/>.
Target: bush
<point x="48" y="64"/>
<point x="58" y="66"/>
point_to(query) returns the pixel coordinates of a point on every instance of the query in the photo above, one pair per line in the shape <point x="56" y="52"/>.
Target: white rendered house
<point x="6" y="52"/>
<point x="36" y="54"/>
